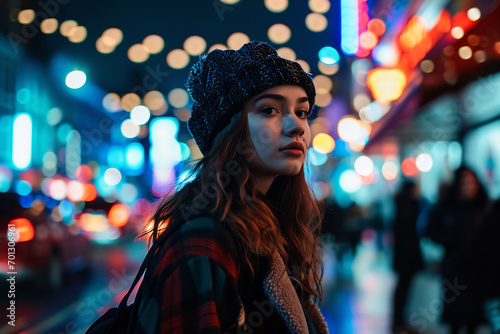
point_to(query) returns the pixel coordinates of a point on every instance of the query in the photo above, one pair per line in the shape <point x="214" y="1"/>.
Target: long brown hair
<point x="287" y="219"/>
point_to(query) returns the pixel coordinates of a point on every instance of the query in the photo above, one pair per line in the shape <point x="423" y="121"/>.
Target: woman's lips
<point x="293" y="151"/>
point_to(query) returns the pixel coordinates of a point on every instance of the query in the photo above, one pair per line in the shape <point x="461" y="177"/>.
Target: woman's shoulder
<point x="202" y="235"/>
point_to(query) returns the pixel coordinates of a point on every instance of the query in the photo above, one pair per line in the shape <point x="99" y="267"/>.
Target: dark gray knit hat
<point x="223" y="80"/>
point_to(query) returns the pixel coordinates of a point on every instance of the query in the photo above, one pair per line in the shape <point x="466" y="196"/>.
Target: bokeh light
<point x="26" y="16"/>
<point x="279" y="33"/>
<point x="112" y="176"/>
<point x="474" y="14"/>
<point x="57" y="189"/>
<point x="316" y="22"/>
<point x="103" y="47"/>
<point x="323" y="143"/>
<point x="376" y="26"/>
<point x="182" y="114"/>
<point x="134" y="156"/>
<point x="24" y="229"/>
<point x="368" y="40"/>
<point x="140" y="114"/>
<point x="305" y="66"/>
<point x="236" y="40"/>
<point x="109" y="40"/>
<point x="386" y="85"/>
<point x="287" y="53"/>
<point x="465" y="52"/>
<point x="360" y="101"/>
<point x="66" y="27"/>
<point x="328" y="55"/>
<point x="112" y="102"/>
<point x="118" y="215"/>
<point x="424" y="162"/>
<point x="83" y="173"/>
<point x="195" y="45"/>
<point x="409" y="167"/>
<point x="89" y="193"/>
<point x="427" y="66"/>
<point x="363" y="165"/>
<point x="350" y="181"/>
<point x="75" y="191"/>
<point x="276" y="6"/>
<point x="178" y="97"/>
<point x="389" y="170"/>
<point x="323" y="100"/>
<point x="49" y="26"/>
<point x="457" y="32"/>
<point x="323" y="84"/>
<point x="177" y="59"/>
<point x="129" y="101"/>
<point x="77" y="34"/>
<point x="155" y="101"/>
<point x="480" y="56"/>
<point x="138" y="53"/>
<point x="217" y="46"/>
<point x="23" y="187"/>
<point x="76" y="79"/>
<point x="130" y="129"/>
<point x="353" y="131"/>
<point x="153" y="44"/>
<point x="114" y="34"/>
<point x="54" y="116"/>
<point x="328" y="69"/>
<point x="317" y="158"/>
<point x="319" y="6"/>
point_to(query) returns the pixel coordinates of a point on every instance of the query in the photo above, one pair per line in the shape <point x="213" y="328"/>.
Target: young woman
<point x="243" y="256"/>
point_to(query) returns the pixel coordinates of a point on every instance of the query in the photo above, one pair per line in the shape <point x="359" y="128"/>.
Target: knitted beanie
<point x="222" y="80"/>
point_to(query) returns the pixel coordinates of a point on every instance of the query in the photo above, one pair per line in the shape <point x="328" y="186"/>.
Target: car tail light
<point x="24" y="229"/>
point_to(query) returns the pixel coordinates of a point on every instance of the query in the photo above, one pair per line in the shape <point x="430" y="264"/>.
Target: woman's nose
<point x="293" y="126"/>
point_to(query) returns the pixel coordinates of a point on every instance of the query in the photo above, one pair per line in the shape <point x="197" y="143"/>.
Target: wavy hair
<point x="287" y="219"/>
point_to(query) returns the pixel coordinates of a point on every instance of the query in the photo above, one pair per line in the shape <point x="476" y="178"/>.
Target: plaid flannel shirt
<point x="198" y="285"/>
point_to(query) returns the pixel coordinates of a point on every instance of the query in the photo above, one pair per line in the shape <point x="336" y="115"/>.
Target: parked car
<point x="45" y="248"/>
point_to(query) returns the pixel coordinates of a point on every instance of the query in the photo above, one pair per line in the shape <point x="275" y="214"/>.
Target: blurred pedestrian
<point x="487" y="264"/>
<point x="455" y="223"/>
<point x="250" y="263"/>
<point x="407" y="257"/>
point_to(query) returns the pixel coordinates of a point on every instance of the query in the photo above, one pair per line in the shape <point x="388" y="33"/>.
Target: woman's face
<point x="277" y="117"/>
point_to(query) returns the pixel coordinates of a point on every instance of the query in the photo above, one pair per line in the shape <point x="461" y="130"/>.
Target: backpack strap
<point x="147" y="260"/>
<point x="173" y="225"/>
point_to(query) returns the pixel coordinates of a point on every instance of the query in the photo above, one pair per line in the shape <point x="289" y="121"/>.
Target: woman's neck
<point x="263" y="182"/>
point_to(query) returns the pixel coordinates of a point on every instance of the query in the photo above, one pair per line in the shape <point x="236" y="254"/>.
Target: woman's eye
<point x="269" y="110"/>
<point x="303" y="114"/>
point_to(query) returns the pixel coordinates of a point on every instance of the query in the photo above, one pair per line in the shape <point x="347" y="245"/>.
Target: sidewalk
<point x="358" y="295"/>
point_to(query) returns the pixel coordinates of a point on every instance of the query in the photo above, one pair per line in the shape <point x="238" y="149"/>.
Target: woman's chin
<point x="290" y="171"/>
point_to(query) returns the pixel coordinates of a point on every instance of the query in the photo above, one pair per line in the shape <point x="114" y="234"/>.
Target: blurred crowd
<point x="463" y="223"/>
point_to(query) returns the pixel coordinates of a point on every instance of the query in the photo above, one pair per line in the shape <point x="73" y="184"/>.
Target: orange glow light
<point x="323" y="143"/>
<point x="368" y="179"/>
<point x="118" y="215"/>
<point x="24" y="229"/>
<point x="89" y="192"/>
<point x="91" y="222"/>
<point x="443" y="22"/>
<point x="413" y="33"/>
<point x="386" y="85"/>
<point x="368" y="40"/>
<point x="376" y="26"/>
<point x="362" y="52"/>
<point x="83" y="173"/>
<point x="409" y="167"/>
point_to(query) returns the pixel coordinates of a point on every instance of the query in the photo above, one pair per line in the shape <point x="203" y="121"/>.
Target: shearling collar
<point x="281" y="293"/>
